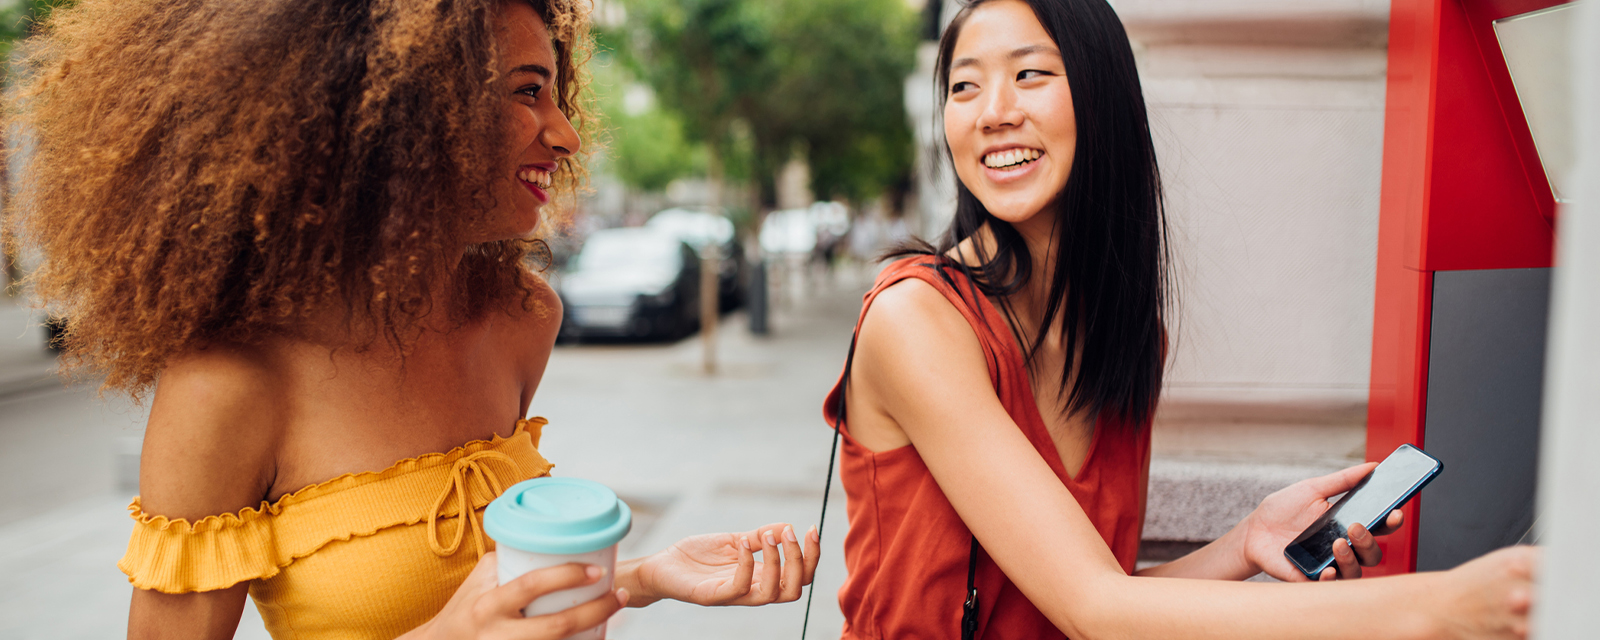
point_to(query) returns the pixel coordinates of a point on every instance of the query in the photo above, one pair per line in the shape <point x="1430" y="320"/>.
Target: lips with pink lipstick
<point x="537" y="179"/>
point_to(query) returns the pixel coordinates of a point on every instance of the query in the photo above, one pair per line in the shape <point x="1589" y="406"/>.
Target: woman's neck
<point x="1038" y="234"/>
<point x="1025" y="307"/>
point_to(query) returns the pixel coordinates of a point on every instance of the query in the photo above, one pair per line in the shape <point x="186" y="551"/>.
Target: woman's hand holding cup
<point x="720" y="569"/>
<point x="482" y="610"/>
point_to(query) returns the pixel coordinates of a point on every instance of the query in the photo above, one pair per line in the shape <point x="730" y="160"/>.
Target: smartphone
<point x="1397" y="478"/>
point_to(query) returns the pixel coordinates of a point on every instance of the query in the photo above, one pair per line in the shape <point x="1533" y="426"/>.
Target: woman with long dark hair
<point x="996" y="407"/>
<point x="304" y="229"/>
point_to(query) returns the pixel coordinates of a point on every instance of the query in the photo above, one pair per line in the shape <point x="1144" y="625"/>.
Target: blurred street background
<point x="765" y="151"/>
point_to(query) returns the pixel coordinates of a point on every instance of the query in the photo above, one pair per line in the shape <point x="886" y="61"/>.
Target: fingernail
<point x="594" y="572"/>
<point x="770" y="539"/>
<point x="813" y="534"/>
<point x="622" y="597"/>
<point x="745" y="541"/>
<point x="788" y="534"/>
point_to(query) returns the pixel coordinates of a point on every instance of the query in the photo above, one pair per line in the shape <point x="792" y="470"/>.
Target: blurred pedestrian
<point x="301" y="228"/>
<point x="1000" y="394"/>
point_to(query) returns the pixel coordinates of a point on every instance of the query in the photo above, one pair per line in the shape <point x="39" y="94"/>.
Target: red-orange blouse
<point x="907" y="549"/>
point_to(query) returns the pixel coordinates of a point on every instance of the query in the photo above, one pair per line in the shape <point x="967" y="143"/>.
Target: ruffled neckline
<point x="330" y="486"/>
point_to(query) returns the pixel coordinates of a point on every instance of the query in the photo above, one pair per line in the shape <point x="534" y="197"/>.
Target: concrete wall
<point x="1268" y="121"/>
<point x="1570" y="577"/>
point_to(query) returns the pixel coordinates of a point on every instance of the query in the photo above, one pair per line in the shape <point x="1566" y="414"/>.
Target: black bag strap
<point x="833" y="456"/>
<point x="969" y="606"/>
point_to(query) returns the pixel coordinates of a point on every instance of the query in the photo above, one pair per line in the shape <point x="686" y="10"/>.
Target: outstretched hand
<point x="720" y="569"/>
<point x="1282" y="516"/>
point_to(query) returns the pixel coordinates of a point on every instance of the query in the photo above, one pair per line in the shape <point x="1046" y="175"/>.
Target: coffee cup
<point x="547" y="522"/>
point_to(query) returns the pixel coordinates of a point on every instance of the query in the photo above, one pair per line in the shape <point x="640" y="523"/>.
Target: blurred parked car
<point x="635" y="282"/>
<point x="702" y="227"/>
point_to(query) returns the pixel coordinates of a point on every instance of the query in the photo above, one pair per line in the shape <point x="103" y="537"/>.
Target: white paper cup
<point x="546" y="522"/>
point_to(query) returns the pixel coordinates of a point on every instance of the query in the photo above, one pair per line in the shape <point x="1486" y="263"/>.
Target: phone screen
<point x="1390" y="484"/>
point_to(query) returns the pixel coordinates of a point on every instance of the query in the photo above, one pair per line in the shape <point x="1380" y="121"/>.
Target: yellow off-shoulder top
<point x="362" y="556"/>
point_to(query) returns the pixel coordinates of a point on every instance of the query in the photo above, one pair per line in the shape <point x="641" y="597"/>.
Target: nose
<point x="559" y="136"/>
<point x="1000" y="109"/>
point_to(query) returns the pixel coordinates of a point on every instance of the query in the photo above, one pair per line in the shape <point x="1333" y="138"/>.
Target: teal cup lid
<point x="557" y="516"/>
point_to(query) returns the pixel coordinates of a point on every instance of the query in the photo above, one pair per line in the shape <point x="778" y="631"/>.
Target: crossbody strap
<point x="969" y="608"/>
<point x="833" y="456"/>
<point x="969" y="605"/>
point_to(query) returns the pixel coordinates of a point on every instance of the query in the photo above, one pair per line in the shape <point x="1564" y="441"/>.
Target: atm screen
<point x="1538" y="48"/>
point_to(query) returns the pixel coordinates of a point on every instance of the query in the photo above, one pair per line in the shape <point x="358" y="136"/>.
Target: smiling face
<point x="1008" y="117"/>
<point x="539" y="133"/>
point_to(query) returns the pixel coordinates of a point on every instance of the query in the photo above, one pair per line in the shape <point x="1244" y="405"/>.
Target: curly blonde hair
<point x="203" y="171"/>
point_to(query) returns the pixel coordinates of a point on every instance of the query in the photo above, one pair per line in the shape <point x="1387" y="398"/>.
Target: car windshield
<point x="628" y="250"/>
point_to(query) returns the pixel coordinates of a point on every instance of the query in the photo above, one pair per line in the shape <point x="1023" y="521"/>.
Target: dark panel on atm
<point x="1485" y="384"/>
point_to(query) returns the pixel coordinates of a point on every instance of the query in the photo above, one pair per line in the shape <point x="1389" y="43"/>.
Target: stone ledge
<point x="1199" y="499"/>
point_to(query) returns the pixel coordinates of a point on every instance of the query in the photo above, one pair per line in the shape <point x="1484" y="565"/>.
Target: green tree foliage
<point x="17" y="20"/>
<point x="649" y="150"/>
<point x="646" y="149"/>
<point x="706" y="59"/>
<point x="845" y="63"/>
<point x="820" y="78"/>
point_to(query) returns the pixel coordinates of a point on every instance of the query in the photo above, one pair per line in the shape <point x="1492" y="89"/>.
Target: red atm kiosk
<point x="1465" y="238"/>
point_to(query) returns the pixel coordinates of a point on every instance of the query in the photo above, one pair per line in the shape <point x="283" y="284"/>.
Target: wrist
<point x="633" y="575"/>
<point x="1430" y="620"/>
<point x="1237" y="544"/>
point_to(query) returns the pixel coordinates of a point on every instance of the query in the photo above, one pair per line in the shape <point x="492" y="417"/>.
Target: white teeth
<point x="536" y="177"/>
<point x="1011" y="157"/>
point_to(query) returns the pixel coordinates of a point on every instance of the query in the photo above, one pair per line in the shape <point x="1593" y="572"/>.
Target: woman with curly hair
<point x="303" y="226"/>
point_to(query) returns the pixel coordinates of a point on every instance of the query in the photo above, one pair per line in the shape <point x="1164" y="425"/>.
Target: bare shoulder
<point x="912" y="314"/>
<point x="216" y="420"/>
<point x="913" y="337"/>
<point x="537" y="316"/>
<point x="918" y="366"/>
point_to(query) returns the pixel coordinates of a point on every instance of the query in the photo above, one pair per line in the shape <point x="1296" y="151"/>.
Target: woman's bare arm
<point x="919" y="363"/>
<point x="208" y="449"/>
<point x="215" y="615"/>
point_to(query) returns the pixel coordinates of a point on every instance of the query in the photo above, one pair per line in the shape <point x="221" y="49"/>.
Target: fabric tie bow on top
<point x="476" y="466"/>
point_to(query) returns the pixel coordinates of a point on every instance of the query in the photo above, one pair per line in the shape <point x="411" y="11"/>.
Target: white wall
<point x="1268" y="120"/>
<point x="1569" y="479"/>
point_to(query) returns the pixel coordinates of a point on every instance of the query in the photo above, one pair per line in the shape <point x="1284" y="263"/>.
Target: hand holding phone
<point x="1399" y="477"/>
<point x="1283" y="515"/>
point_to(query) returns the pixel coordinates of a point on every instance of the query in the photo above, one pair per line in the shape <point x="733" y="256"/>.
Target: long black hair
<point x="1112" y="277"/>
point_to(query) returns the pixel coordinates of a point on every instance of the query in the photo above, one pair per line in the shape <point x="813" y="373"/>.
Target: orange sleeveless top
<point x="907" y="549"/>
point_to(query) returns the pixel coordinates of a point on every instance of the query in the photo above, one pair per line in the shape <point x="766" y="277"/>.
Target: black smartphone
<point x="1397" y="478"/>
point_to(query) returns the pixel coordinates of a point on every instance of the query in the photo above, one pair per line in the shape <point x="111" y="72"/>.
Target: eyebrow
<point x="1019" y="52"/>
<point x="536" y="69"/>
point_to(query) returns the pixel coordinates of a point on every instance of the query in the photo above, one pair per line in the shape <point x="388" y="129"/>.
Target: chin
<point x="1015" y="212"/>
